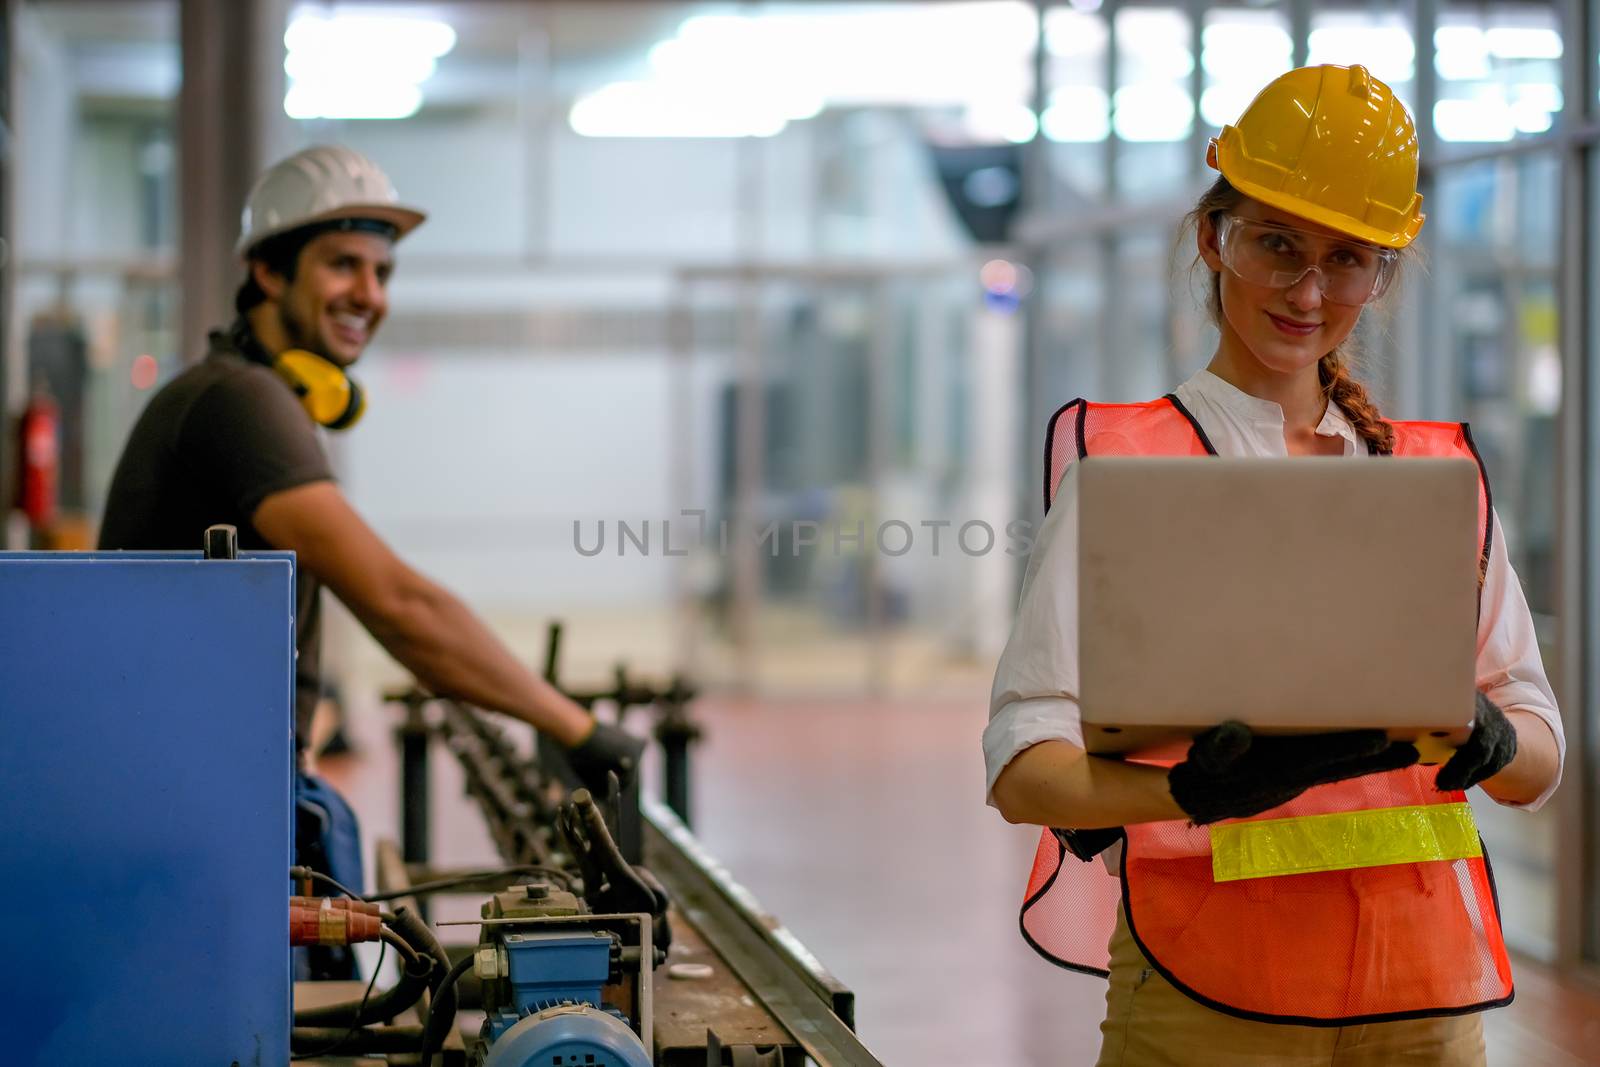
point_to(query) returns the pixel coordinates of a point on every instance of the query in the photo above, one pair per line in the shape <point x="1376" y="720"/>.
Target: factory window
<point x="1242" y="50"/>
<point x="1499" y="72"/>
<point x="1380" y="41"/>
<point x="1077" y="115"/>
<point x="96" y="90"/>
<point x="1492" y="244"/>
<point x="1152" y="109"/>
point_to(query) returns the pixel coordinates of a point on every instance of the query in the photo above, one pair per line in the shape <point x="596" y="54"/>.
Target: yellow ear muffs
<point x="329" y="395"/>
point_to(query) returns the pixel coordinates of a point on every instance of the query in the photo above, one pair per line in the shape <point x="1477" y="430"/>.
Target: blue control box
<point x="146" y="766"/>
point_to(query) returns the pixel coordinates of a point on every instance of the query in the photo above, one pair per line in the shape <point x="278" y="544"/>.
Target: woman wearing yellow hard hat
<point x="1390" y="956"/>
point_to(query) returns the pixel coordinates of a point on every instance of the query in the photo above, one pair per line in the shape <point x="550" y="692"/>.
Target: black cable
<point x="400" y="944"/>
<point x="471" y="878"/>
<point x="367" y="1041"/>
<point x="411" y="927"/>
<point x="317" y="876"/>
<point x="434" y="1031"/>
<point x="467" y="878"/>
<point x="383" y="947"/>
<point x="414" y="979"/>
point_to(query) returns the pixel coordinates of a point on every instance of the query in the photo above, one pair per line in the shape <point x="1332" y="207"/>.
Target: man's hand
<point x="1232" y="773"/>
<point x="1492" y="745"/>
<point x="607" y="748"/>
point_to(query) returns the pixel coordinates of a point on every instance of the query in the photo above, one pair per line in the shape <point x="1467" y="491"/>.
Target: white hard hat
<point x="323" y="183"/>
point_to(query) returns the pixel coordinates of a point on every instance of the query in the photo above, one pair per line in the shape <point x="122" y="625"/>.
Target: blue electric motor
<point x="544" y="964"/>
<point x="569" y="1035"/>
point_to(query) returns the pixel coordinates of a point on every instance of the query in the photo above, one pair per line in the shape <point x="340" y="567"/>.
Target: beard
<point x="298" y="333"/>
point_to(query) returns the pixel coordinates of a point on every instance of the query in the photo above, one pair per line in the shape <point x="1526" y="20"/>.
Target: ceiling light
<point x="361" y="66"/>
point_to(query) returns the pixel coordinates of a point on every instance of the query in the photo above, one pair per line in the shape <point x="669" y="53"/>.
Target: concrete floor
<point x="862" y="826"/>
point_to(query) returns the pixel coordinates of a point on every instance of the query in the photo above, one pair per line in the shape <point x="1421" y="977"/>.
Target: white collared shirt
<point x="1036" y="684"/>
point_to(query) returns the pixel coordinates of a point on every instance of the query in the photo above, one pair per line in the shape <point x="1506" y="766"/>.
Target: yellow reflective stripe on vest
<point x="1343" y="840"/>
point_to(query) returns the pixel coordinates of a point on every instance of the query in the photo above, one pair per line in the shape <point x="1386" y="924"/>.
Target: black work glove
<point x="1087" y="844"/>
<point x="1491" y="746"/>
<point x="607" y="748"/>
<point x="1231" y="773"/>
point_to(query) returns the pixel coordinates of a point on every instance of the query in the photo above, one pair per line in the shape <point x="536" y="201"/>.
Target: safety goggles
<point x="1265" y="253"/>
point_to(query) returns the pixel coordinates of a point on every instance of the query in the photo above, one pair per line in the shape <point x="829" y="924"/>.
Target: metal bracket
<point x="739" y="1055"/>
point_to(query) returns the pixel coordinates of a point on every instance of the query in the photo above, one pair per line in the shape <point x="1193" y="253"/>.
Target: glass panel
<point x="1152" y="111"/>
<point x="1380" y="41"/>
<point x="1242" y="50"/>
<point x="1493" y="246"/>
<point x="95" y="228"/>
<point x="1499" y="71"/>
<point x="840" y="418"/>
<point x="1142" y="363"/>
<point x="1077" y="120"/>
<point x="1072" y="292"/>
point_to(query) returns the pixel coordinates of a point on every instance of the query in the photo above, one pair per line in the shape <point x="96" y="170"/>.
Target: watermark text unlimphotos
<point x="691" y="532"/>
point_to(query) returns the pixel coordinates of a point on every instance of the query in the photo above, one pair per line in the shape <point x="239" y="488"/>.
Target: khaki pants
<point x="1149" y="1023"/>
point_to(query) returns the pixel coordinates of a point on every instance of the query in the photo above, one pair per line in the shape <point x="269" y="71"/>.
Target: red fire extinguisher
<point x="41" y="460"/>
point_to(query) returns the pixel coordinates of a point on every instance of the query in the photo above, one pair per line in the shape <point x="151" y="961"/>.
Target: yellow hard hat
<point x="1330" y="144"/>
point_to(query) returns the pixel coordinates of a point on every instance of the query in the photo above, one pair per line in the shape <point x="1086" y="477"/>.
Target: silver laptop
<point x="1296" y="595"/>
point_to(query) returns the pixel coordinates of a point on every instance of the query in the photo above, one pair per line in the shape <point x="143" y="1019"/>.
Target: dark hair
<point x="280" y="255"/>
<point x="1338" y="384"/>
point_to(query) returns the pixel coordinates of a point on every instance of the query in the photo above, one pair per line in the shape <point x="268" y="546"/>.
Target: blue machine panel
<point x="146" y="761"/>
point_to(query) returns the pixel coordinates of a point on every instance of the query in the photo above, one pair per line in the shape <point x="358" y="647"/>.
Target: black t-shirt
<point x="214" y="443"/>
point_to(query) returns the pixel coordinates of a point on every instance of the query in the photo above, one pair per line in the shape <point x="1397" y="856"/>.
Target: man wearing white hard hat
<point x="234" y="439"/>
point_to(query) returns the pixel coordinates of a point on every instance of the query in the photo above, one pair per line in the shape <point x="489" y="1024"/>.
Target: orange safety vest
<point x="1361" y="901"/>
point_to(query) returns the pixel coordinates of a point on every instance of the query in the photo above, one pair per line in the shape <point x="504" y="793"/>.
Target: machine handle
<point x="222" y="542"/>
